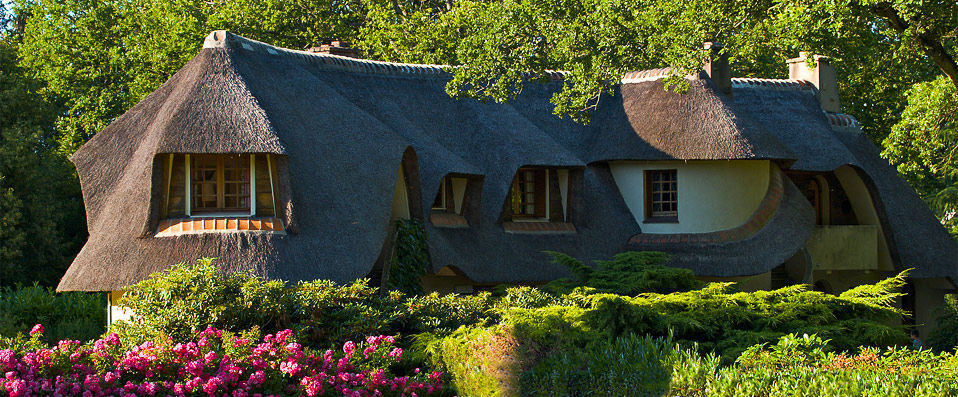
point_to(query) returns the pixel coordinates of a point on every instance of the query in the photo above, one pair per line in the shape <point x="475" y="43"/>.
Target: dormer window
<point x="455" y="201"/>
<point x="529" y="194"/>
<point x="222" y="188"/>
<point x="539" y="200"/>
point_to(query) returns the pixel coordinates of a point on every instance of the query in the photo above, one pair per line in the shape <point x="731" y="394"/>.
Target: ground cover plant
<point x="213" y="362"/>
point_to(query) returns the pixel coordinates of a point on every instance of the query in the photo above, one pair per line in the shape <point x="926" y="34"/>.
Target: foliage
<point x="944" y="337"/>
<point x="212" y="361"/>
<point x="628" y="273"/>
<point x="411" y="258"/>
<point x="930" y="119"/>
<point x="186" y="298"/>
<point x="805" y="363"/>
<point x="41" y="218"/>
<point x="69" y="315"/>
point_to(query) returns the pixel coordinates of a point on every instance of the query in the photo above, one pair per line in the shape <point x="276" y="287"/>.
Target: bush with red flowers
<point x="213" y="363"/>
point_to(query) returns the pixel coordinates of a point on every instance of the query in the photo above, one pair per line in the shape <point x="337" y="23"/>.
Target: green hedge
<point x="68" y="315"/>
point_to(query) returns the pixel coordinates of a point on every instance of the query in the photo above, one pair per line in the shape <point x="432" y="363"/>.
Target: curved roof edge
<point x="784" y="234"/>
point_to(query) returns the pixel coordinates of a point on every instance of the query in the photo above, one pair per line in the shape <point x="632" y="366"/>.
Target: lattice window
<point x="220" y="183"/>
<point x="662" y="194"/>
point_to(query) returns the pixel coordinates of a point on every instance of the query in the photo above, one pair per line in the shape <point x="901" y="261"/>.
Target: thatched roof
<point x="342" y="126"/>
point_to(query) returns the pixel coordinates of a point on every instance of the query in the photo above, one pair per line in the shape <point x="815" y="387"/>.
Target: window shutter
<point x="540" y="193"/>
<point x="450" y="196"/>
<point x="264" y="189"/>
<point x="176" y="202"/>
<point x="555" y="198"/>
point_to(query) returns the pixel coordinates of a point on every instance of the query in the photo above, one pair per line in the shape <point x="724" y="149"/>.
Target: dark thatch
<point x="341" y="127"/>
<point x="646" y="120"/>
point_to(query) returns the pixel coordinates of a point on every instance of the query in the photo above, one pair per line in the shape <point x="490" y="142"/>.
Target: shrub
<point x="70" y="315"/>
<point x="185" y="298"/>
<point x="806" y="364"/>
<point x="628" y="273"/>
<point x="213" y="362"/>
<point x="945" y="336"/>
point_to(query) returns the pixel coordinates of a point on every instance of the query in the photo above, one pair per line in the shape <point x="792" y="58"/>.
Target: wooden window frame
<point x="661" y="216"/>
<point x="190" y="209"/>
<point x="441" y="198"/>
<point x="539" y="193"/>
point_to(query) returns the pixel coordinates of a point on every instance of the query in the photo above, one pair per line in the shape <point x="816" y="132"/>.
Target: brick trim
<point x="181" y="226"/>
<point x="755" y="222"/>
<point x="446" y="219"/>
<point x="538" y="227"/>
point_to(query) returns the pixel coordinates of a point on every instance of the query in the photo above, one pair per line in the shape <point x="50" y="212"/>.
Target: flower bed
<point x="215" y="363"/>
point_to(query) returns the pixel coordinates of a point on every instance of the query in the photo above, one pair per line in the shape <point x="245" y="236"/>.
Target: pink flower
<point x="396" y="353"/>
<point x="37" y="329"/>
<point x="349" y="347"/>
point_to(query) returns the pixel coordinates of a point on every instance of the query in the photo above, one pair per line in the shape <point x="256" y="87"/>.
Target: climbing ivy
<point x="410" y="257"/>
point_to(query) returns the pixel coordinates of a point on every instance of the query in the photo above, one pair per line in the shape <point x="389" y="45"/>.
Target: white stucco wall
<point x="712" y="195"/>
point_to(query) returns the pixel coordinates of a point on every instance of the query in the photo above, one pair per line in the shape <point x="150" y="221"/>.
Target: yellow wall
<point x="713" y="195"/>
<point x="114" y="312"/>
<point x="400" y="198"/>
<point x="864" y="210"/>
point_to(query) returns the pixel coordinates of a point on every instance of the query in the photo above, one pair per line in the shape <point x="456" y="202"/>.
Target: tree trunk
<point x="929" y="42"/>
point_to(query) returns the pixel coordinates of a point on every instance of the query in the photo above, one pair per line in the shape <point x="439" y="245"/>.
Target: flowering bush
<point x="214" y="363"/>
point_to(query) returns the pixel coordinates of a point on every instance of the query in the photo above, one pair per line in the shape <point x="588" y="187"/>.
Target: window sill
<point x="662" y="219"/>
<point x="448" y="220"/>
<point x="182" y="226"/>
<point x="542" y="227"/>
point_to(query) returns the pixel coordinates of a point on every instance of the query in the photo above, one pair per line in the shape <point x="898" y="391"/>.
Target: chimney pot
<point x="822" y="77"/>
<point x="717" y="66"/>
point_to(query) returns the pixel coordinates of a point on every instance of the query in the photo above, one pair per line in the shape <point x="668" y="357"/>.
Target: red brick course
<point x="539" y="227"/>
<point x="445" y="219"/>
<point x="173" y="227"/>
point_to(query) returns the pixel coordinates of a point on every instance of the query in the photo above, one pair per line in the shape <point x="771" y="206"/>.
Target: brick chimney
<point x="337" y="47"/>
<point x="717" y="67"/>
<point x="822" y="77"/>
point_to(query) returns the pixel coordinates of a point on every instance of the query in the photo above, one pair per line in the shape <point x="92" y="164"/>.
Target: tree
<point x="41" y="219"/>
<point x="101" y="57"/>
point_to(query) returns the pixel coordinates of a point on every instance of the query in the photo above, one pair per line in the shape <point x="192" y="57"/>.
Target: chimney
<point x="822" y="77"/>
<point x="717" y="67"/>
<point x="337" y="47"/>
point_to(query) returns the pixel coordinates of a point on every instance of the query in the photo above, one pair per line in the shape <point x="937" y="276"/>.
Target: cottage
<point x="293" y="165"/>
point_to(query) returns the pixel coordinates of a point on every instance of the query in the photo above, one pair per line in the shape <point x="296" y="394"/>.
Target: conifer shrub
<point x="627" y="273"/>
<point x="807" y="365"/>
